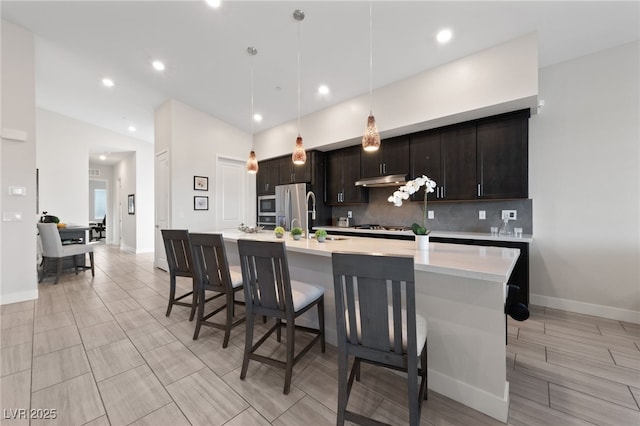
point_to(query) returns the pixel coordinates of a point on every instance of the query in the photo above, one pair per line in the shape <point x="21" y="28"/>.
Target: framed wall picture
<point x="201" y="183"/>
<point x="131" y="204"/>
<point x="200" y="203"/>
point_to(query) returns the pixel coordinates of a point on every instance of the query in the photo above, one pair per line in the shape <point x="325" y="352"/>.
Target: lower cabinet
<point x="520" y="274"/>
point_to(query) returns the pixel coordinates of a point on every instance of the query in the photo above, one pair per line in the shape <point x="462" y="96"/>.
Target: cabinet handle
<point x="384" y="168"/>
<point x="443" y="192"/>
<point x="478" y="190"/>
<point x="438" y="192"/>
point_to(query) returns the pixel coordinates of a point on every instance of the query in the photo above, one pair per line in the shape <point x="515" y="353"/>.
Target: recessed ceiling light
<point x="107" y="82"/>
<point x="257" y="118"/>
<point x="444" y="35"/>
<point x="132" y="128"/>
<point x="158" y="65"/>
<point x="323" y="89"/>
<point x="214" y="3"/>
<point x="103" y="157"/>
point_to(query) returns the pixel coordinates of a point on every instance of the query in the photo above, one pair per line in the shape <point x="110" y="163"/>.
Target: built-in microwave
<point x="267" y="205"/>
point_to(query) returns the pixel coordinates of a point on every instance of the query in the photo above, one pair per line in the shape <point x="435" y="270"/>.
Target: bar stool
<point x="211" y="270"/>
<point x="269" y="292"/>
<point x="179" y="259"/>
<point x="376" y="322"/>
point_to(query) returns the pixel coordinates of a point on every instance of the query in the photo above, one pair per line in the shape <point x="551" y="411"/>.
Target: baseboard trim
<point x="478" y="399"/>
<point x="21" y="296"/>
<point x="586" y="308"/>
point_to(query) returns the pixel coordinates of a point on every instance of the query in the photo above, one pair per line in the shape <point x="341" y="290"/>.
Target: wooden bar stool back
<point x="212" y="273"/>
<point x="270" y="292"/>
<point x="180" y="262"/>
<point x="376" y="323"/>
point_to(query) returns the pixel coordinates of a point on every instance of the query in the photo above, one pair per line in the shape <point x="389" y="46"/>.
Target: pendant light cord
<point x="252" y="109"/>
<point x="370" y="58"/>
<point x="298" y="78"/>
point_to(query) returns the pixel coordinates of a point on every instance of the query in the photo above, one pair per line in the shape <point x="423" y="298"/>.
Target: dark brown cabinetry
<point x="342" y="172"/>
<point x="392" y="158"/>
<point x="268" y="176"/>
<point x="502" y="145"/>
<point x="481" y="159"/>
<point x="519" y="275"/>
<point x="296" y="173"/>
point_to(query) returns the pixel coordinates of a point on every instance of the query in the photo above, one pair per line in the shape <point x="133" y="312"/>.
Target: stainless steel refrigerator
<point x="291" y="206"/>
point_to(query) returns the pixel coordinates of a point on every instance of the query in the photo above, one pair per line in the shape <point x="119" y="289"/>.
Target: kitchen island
<point x="460" y="289"/>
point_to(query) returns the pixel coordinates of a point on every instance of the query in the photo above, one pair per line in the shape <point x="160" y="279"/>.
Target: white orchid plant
<point x="408" y="189"/>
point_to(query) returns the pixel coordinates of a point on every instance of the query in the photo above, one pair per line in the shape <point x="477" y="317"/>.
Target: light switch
<point x="430" y="214"/>
<point x="482" y="214"/>
<point x="11" y="217"/>
<point x="20" y="191"/>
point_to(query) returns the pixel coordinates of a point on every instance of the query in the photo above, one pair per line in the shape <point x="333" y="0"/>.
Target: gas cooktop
<point x="382" y="227"/>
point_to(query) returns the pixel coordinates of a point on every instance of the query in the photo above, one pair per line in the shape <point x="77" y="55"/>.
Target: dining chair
<point x="377" y="323"/>
<point x="212" y="274"/>
<point x="180" y="262"/>
<point x="52" y="249"/>
<point x="270" y="292"/>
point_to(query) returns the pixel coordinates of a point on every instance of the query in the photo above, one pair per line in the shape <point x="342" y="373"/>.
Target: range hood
<point x="380" y="181"/>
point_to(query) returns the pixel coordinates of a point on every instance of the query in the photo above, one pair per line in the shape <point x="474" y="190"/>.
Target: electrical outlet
<point x="510" y="214"/>
<point x="430" y="214"/>
<point x="482" y="214"/>
<point x="349" y="214"/>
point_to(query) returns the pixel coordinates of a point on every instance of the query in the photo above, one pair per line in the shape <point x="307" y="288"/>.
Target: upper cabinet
<point x="342" y="172"/>
<point x="392" y="158"/>
<point x="296" y="173"/>
<point x="482" y="159"/>
<point x="502" y="163"/>
<point x="268" y="177"/>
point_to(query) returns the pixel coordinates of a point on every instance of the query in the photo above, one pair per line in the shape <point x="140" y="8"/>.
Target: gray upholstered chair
<point x="376" y="323"/>
<point x="212" y="273"/>
<point x="269" y="292"/>
<point x="52" y="249"/>
<point x="180" y="262"/>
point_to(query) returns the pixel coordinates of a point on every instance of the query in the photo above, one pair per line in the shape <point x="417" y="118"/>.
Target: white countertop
<point x="526" y="238"/>
<point x="484" y="263"/>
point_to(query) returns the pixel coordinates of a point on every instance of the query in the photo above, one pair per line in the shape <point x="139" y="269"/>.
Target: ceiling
<point x="207" y="66"/>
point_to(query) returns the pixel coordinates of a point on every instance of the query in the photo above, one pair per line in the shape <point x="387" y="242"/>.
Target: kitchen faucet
<point x="295" y="219"/>
<point x="311" y="195"/>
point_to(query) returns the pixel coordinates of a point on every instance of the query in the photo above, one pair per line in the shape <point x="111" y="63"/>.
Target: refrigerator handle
<point x="287" y="209"/>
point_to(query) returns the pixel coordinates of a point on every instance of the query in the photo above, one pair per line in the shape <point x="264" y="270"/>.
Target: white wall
<point x="18" y="279"/>
<point x="194" y="141"/>
<point x="63" y="159"/>
<point x="500" y="79"/>
<point x="585" y="185"/>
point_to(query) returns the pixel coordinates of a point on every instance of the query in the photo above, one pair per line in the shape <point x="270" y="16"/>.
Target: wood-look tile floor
<point x="101" y="351"/>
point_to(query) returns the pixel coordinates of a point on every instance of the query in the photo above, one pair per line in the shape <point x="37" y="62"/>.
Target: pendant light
<point x="252" y="162"/>
<point x="298" y="156"/>
<point x="371" y="138"/>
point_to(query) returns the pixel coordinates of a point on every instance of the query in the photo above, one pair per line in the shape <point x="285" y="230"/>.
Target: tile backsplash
<point x="448" y="216"/>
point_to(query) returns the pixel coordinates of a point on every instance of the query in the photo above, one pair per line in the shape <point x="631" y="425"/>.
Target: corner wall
<point x="18" y="280"/>
<point x="584" y="179"/>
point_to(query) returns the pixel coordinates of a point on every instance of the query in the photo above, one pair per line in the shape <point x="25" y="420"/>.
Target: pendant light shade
<point x="371" y="138"/>
<point x="298" y="156"/>
<point x="252" y="162"/>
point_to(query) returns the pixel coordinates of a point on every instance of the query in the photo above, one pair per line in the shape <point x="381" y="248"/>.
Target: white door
<point x="162" y="207"/>
<point x="231" y="185"/>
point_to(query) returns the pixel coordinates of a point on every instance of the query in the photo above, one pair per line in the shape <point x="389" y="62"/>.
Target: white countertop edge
<point x="526" y="238"/>
<point x="447" y="259"/>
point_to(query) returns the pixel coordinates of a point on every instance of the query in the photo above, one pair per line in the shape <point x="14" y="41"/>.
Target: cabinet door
<point x="333" y="180"/>
<point x="395" y="156"/>
<point x="502" y="145"/>
<point x="351" y="158"/>
<point x="268" y="177"/>
<point x="458" y="144"/>
<point x="392" y="158"/>
<point x="301" y="173"/>
<point x="370" y="162"/>
<point x="426" y="159"/>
